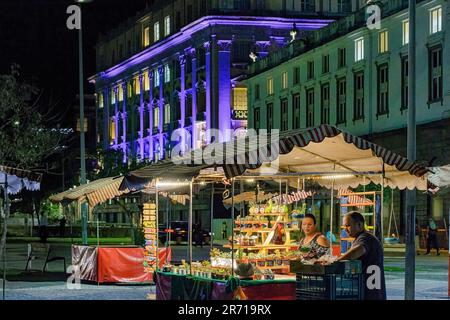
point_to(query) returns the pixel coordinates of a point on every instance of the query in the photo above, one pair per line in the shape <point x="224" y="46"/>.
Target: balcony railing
<point x="318" y="37"/>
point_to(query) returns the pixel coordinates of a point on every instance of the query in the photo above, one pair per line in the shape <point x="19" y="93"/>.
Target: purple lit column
<point x="182" y="60"/>
<point x="207" y="46"/>
<point x="193" y="56"/>
<point x="161" y="110"/>
<point x="124" y="121"/>
<point x="150" y="115"/>
<point x="141" y="118"/>
<point x="116" y="115"/>
<point x="106" y="116"/>
<point x="224" y="62"/>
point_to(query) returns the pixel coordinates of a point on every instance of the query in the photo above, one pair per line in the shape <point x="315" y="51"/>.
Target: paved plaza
<point x="431" y="278"/>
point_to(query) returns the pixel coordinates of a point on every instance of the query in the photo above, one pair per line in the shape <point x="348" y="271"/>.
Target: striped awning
<point x="17" y="179"/>
<point x="348" y="160"/>
<point x="94" y="192"/>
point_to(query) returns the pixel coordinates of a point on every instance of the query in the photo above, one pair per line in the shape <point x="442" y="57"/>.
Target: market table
<point x="170" y="286"/>
<point x="111" y="264"/>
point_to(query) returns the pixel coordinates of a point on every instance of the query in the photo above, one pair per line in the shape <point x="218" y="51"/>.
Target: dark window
<point x="310" y="69"/>
<point x="121" y="51"/>
<point x="296" y="75"/>
<point x="342" y="5"/>
<point x="257" y="91"/>
<point x="435" y="75"/>
<point x="284" y="115"/>
<point x="325" y="104"/>
<point x="383" y="89"/>
<point x="325" y="63"/>
<point x="310" y="107"/>
<point x="242" y="4"/>
<point x="260" y="4"/>
<point x="202" y="7"/>
<point x="178" y="20"/>
<point x="257" y="118"/>
<point x="308" y="5"/>
<point x="296" y="111"/>
<point x="269" y="116"/>
<point x="240" y="51"/>
<point x="342" y="57"/>
<point x="129" y="48"/>
<point x="358" y="109"/>
<point x="341" y="101"/>
<point x="189" y="14"/>
<point x="404" y="84"/>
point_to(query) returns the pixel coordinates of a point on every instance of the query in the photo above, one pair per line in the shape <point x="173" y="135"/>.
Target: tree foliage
<point x="25" y="142"/>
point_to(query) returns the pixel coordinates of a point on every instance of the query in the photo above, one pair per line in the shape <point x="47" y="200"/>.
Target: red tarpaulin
<point x="126" y="264"/>
<point x="114" y="264"/>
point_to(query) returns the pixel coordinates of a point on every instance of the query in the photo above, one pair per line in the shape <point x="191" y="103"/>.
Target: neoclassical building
<point x="180" y="63"/>
<point x="356" y="78"/>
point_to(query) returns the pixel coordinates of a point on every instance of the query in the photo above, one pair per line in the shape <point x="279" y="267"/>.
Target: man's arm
<point x="354" y="253"/>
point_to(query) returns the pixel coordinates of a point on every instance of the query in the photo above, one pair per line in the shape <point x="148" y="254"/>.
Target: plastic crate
<point x="329" y="287"/>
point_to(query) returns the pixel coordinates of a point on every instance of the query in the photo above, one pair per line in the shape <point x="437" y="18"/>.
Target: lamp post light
<point x="84" y="208"/>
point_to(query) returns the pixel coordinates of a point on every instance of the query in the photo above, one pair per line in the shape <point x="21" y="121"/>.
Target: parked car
<point x="180" y="233"/>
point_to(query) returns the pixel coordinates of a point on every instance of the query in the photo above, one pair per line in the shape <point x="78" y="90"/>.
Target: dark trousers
<point x="432" y="241"/>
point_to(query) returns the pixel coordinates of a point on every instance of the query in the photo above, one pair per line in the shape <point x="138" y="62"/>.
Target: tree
<point x="26" y="142"/>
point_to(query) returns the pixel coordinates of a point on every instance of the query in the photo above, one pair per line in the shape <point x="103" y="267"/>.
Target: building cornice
<point x="201" y="24"/>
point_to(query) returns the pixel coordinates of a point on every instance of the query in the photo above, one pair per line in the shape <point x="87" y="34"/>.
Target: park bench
<point x="44" y="252"/>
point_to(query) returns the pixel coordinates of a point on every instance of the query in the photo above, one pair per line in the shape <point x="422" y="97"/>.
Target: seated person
<point x="314" y="241"/>
<point x="245" y="271"/>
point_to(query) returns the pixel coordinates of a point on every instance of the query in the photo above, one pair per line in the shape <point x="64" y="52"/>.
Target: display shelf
<point x="264" y="230"/>
<point x="259" y="247"/>
<point x="364" y="204"/>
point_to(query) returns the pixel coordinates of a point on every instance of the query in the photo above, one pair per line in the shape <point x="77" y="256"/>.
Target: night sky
<point x="33" y="34"/>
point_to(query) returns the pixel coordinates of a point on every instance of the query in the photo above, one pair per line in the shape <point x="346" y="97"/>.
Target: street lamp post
<point x="84" y="206"/>
<point x="410" y="259"/>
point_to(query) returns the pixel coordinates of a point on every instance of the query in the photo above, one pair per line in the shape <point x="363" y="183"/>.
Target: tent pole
<point x="232" y="227"/>
<point x="331" y="218"/>
<point x="98" y="231"/>
<point x="212" y="216"/>
<point x="157" y="225"/>
<point x="190" y="224"/>
<point x="5" y="222"/>
<point x="382" y="206"/>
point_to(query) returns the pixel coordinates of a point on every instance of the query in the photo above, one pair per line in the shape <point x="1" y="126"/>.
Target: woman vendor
<point x="314" y="244"/>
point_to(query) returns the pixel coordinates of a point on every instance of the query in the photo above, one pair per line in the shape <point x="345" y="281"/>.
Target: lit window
<point x="436" y="20"/>
<point x="359" y="49"/>
<point x="284" y="80"/>
<point x="137" y="85"/>
<point x="120" y="92"/>
<point x="112" y="131"/>
<point x="113" y="96"/>
<point x="146" y="36"/>
<point x="146" y="81"/>
<point x="166" y="26"/>
<point x="85" y="122"/>
<point x="156" y="117"/>
<point x="405" y="32"/>
<point x="129" y="89"/>
<point x="155" y="78"/>
<point x="156" y="31"/>
<point x="166" y="73"/>
<point x="100" y="100"/>
<point x="167" y="113"/>
<point x="240" y="98"/>
<point x="270" y="86"/>
<point x="383" y="42"/>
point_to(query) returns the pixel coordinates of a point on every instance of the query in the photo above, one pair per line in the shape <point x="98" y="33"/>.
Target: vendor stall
<point x="109" y="264"/>
<point x="326" y="155"/>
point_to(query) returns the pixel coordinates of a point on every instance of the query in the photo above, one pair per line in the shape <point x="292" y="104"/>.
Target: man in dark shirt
<point x="367" y="248"/>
